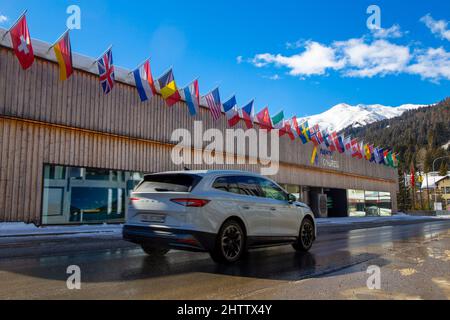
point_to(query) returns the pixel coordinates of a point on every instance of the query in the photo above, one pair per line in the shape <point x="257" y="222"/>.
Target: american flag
<point x="213" y="101"/>
<point x="106" y="72"/>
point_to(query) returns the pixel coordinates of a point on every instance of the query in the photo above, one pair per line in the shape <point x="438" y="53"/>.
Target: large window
<point x="75" y="195"/>
<point x="369" y="203"/>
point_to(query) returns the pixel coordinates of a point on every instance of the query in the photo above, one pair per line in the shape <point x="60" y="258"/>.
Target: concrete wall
<point x="44" y="120"/>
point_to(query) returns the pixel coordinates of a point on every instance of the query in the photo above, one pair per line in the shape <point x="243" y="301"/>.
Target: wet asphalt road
<point x="414" y="261"/>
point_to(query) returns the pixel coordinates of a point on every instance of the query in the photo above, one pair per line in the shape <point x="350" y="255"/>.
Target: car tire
<point x="306" y="236"/>
<point x="154" y="251"/>
<point x="230" y="243"/>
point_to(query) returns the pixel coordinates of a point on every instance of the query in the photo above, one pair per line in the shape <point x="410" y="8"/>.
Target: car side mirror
<point x="291" y="198"/>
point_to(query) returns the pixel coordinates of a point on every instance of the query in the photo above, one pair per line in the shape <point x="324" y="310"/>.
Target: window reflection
<point x="75" y="195"/>
<point x="369" y="203"/>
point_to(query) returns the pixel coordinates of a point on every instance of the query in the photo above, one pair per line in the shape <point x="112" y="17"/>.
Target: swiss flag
<point x="21" y="41"/>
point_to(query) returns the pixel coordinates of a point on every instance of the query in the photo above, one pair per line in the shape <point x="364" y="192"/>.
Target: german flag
<point x="168" y="88"/>
<point x="63" y="52"/>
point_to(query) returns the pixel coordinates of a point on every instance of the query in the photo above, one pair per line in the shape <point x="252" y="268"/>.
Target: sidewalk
<point x="351" y="223"/>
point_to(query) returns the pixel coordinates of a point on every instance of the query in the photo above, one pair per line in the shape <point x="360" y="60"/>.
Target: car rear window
<point x="168" y="183"/>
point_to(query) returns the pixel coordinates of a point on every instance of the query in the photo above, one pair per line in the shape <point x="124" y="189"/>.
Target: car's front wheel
<point x="154" y="251"/>
<point x="230" y="243"/>
<point x="306" y="236"/>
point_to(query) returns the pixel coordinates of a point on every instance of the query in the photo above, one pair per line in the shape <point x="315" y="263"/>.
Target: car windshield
<point x="168" y="183"/>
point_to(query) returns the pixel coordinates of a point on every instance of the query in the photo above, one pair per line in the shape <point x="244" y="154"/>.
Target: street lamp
<point x="435" y="186"/>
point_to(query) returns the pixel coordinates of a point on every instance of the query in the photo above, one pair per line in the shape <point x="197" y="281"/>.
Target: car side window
<point x="249" y="186"/>
<point x="227" y="184"/>
<point x="271" y="190"/>
<point x="221" y="184"/>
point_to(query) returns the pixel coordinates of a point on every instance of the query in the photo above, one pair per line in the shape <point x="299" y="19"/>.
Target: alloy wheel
<point x="307" y="234"/>
<point x="231" y="242"/>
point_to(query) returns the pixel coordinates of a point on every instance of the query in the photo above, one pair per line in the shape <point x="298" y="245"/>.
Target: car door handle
<point x="245" y="207"/>
<point x="273" y="209"/>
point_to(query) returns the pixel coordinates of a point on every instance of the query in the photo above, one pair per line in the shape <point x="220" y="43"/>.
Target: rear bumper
<point x="169" y="238"/>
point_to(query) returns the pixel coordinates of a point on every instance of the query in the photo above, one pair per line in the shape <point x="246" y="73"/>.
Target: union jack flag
<point x="106" y="71"/>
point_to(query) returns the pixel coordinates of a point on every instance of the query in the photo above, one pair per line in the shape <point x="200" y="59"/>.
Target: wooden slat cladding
<point x="38" y="94"/>
<point x="26" y="146"/>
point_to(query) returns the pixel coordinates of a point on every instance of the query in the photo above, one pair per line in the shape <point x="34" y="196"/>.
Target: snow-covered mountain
<point x="343" y="115"/>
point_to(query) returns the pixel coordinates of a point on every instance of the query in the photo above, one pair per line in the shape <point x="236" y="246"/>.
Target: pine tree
<point x="443" y="169"/>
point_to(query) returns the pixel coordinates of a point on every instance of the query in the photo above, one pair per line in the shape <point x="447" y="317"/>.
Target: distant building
<point x="443" y="187"/>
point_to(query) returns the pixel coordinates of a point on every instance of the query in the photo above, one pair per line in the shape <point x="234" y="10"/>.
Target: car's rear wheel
<point x="306" y="236"/>
<point x="154" y="251"/>
<point x="230" y="243"/>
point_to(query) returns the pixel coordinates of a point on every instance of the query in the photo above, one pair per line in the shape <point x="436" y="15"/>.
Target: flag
<point x="372" y="153"/>
<point x="377" y="155"/>
<point x="213" y="102"/>
<point x="316" y="135"/>
<point x="106" y="71"/>
<point x="63" y="53"/>
<point x="264" y="119"/>
<point x="295" y="126"/>
<point x="305" y="135"/>
<point x="337" y="141"/>
<point x="192" y="97"/>
<point x="231" y="111"/>
<point x="385" y="156"/>
<point x="348" y="145"/>
<point x="356" y="150"/>
<point x="278" y="120"/>
<point x="287" y="129"/>
<point x="395" y="160"/>
<point x="168" y="88"/>
<point x="314" y="156"/>
<point x="21" y="41"/>
<point x="328" y="141"/>
<point x="248" y="114"/>
<point x="144" y="81"/>
<point x="367" y="154"/>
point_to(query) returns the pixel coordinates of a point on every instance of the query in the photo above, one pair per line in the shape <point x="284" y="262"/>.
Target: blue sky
<point x="299" y="56"/>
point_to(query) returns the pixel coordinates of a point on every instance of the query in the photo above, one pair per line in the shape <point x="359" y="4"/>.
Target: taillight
<point x="191" y="202"/>
<point x="132" y="199"/>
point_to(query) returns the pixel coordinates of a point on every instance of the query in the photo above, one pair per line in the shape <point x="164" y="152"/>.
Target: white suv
<point x="220" y="212"/>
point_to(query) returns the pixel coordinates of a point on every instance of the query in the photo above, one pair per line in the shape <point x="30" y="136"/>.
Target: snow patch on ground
<point x="22" y="229"/>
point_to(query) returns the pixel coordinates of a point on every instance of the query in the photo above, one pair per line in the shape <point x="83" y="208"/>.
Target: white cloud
<point x="239" y="59"/>
<point x="433" y="64"/>
<point x="392" y="32"/>
<point x="377" y="58"/>
<point x="314" y="60"/>
<point x="438" y="27"/>
<point x="3" y="18"/>
<point x="365" y="57"/>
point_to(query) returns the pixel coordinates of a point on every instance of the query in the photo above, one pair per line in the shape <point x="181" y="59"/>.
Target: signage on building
<point x="327" y="159"/>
